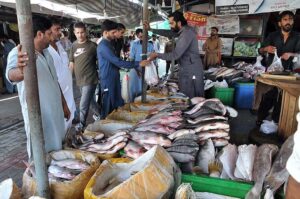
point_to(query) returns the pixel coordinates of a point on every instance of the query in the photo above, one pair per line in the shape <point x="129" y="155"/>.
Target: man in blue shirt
<point x="135" y="80"/>
<point x="109" y="65"/>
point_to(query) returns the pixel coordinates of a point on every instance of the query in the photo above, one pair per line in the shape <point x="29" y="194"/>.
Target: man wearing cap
<point x="287" y="43"/>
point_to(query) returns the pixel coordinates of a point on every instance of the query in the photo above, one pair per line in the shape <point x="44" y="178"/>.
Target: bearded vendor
<point x="286" y="43"/>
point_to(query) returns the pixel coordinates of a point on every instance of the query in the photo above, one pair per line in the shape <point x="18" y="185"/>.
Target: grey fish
<point x="262" y="166"/>
<point x="60" y="172"/>
<point x="183" y="149"/>
<point x="204" y="118"/>
<point x="214" y="104"/>
<point x="181" y="132"/>
<point x="181" y="157"/>
<point x="202" y="112"/>
<point x="190" y="137"/>
<point x="212" y="126"/>
<point x="279" y="174"/>
<point x="185" y="142"/>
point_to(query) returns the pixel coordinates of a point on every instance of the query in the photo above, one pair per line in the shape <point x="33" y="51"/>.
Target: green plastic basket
<point x="226" y="95"/>
<point x="217" y="185"/>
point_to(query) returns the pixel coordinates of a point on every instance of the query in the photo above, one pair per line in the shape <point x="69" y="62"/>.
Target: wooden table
<point x="289" y="106"/>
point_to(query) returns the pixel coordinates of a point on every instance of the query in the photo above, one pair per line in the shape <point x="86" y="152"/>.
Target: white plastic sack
<point x="151" y="77"/>
<point x="222" y="84"/>
<point x="258" y="61"/>
<point x="276" y="65"/>
<point x="268" y="127"/>
<point x="125" y="88"/>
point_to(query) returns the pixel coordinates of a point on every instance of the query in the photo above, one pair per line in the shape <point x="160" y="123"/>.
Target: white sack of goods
<point x="69" y="172"/>
<point x="9" y="190"/>
<point x="245" y="161"/>
<point x="108" y="127"/>
<point x="152" y="176"/>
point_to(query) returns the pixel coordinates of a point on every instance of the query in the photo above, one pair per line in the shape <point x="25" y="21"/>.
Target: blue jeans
<point x="87" y="101"/>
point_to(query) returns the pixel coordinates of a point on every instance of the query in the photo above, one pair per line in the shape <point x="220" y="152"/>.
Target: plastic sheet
<point x="154" y="175"/>
<point x="68" y="189"/>
<point x="268" y="127"/>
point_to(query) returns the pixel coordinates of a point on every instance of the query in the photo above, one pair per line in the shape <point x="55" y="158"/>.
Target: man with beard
<point x="49" y="92"/>
<point x="118" y="42"/>
<point x="212" y="48"/>
<point x="109" y="66"/>
<point x="286" y="43"/>
<point x="187" y="53"/>
<point x="64" y="75"/>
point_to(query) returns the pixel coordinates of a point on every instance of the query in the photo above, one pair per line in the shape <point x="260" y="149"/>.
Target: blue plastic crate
<point x="244" y="95"/>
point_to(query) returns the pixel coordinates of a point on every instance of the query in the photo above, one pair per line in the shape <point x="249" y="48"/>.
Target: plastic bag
<point x="221" y="84"/>
<point x="258" y="62"/>
<point x="276" y="65"/>
<point x="268" y="127"/>
<point x="151" y="77"/>
<point x="125" y="88"/>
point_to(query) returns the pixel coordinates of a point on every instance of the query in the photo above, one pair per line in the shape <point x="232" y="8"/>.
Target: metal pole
<point x="144" y="49"/>
<point x="32" y="97"/>
<point x="173" y="39"/>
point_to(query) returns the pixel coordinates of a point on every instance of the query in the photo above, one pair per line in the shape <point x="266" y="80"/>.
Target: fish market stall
<point x="290" y="87"/>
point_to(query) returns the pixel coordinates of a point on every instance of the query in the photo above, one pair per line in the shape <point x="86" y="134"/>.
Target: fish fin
<point x="215" y="168"/>
<point x="197" y="170"/>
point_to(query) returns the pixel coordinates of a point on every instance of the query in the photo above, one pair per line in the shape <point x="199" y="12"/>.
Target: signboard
<point x="238" y="7"/>
<point x="226" y="25"/>
<point x="199" y="22"/>
<point x="227" y="44"/>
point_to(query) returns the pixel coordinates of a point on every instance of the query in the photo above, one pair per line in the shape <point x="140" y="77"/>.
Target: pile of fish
<point x="250" y="71"/>
<point x="208" y="119"/>
<point x="100" y="144"/>
<point x="62" y="170"/>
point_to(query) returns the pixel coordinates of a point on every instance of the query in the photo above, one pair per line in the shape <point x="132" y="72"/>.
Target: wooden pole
<point x="144" y="49"/>
<point x="24" y="16"/>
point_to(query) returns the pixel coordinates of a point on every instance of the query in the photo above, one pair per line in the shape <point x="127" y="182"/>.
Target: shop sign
<point x="238" y="7"/>
<point x="225" y="24"/>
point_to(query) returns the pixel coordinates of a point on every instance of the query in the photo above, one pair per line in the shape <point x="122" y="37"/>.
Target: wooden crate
<point x="289" y="109"/>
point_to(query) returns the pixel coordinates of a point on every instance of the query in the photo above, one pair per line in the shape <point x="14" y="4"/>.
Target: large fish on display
<point x="279" y="174"/>
<point x="205" y="156"/>
<point x="245" y="162"/>
<point x="228" y="157"/>
<point x="262" y="166"/>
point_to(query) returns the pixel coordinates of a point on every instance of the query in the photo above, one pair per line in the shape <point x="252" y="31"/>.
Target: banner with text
<point x="238" y="7"/>
<point x="199" y="22"/>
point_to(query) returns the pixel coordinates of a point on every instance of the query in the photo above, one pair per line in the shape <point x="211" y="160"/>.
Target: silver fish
<point x="60" y="172"/>
<point x="204" y="118"/>
<point x="147" y="137"/>
<point x="113" y="150"/>
<point x="71" y="164"/>
<point x="279" y="174"/>
<point x="156" y="128"/>
<point x="228" y="157"/>
<point x="201" y="104"/>
<point x="134" y="150"/>
<point x="180" y="132"/>
<point x="262" y="166"/>
<point x="212" y="126"/>
<point x="185" y="142"/>
<point x="218" y="133"/>
<point x="108" y="145"/>
<point x="205" y="156"/>
<point x="219" y="142"/>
